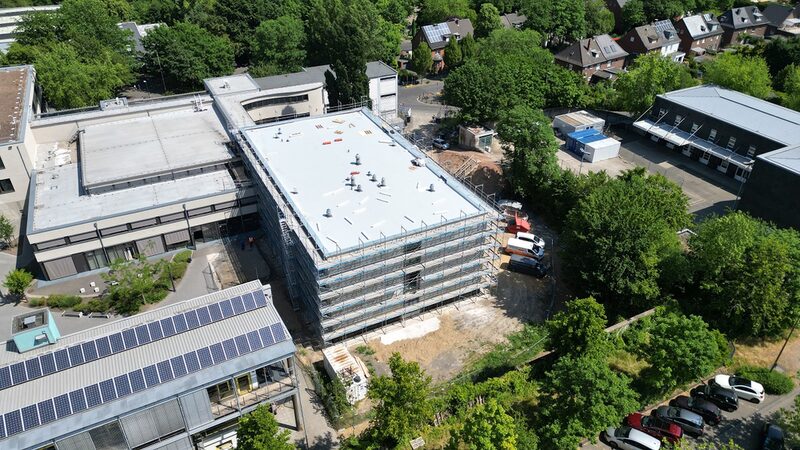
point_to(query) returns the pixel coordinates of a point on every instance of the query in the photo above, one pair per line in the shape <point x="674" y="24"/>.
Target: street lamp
<point x="583" y="154"/>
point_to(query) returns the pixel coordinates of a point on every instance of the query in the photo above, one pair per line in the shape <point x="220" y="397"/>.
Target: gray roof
<point x="744" y="17"/>
<point x="513" y="20"/>
<point x="316" y="74"/>
<point x="591" y="51"/>
<point x="774" y="122"/>
<point x="776" y="14"/>
<point x="436" y="35"/>
<point x="144" y="356"/>
<point x="657" y="35"/>
<point x="787" y="158"/>
<point x="16" y="91"/>
<point x="702" y="25"/>
<point x="379" y="69"/>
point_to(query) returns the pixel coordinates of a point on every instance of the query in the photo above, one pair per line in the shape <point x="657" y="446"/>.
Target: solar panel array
<point x="75" y="355"/>
<point x="437" y="32"/>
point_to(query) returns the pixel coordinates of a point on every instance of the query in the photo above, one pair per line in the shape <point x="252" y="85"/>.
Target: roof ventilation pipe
<point x="328" y="213"/>
<point x="358" y="159"/>
<point x="382" y="183"/>
<point x="374" y="178"/>
<point x="432" y="188"/>
<point x="358" y="188"/>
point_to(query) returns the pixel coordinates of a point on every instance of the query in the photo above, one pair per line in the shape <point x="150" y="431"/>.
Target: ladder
<point x="466" y="168"/>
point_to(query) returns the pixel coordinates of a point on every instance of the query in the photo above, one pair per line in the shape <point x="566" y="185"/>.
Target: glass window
<point x="172" y="217"/>
<point x="678" y="119"/>
<point x="705" y="157"/>
<point x="6" y="186"/>
<point x="695" y="127"/>
<point x="82" y="237"/>
<point x="662" y="112"/>
<point x="751" y="151"/>
<point x="731" y="142"/>
<point x="723" y="166"/>
<point x="143" y="224"/>
<point x="96" y="259"/>
<point x="199" y="211"/>
<point x="712" y="135"/>
<point x="220" y="391"/>
<point x="114" y="230"/>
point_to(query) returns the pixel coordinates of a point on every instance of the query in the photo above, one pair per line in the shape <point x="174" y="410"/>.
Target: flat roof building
<point x="169" y="378"/>
<point x="773" y="190"/>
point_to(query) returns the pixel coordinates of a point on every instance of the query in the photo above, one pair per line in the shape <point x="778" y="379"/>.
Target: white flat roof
<point x="137" y="148"/>
<point x="312" y="158"/>
<point x="57" y="201"/>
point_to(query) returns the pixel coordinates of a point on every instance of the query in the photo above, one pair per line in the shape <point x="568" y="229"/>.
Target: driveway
<point x="421" y="99"/>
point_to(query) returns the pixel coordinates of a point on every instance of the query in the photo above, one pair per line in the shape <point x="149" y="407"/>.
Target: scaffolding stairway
<point x="286" y="250"/>
<point x="466" y="168"/>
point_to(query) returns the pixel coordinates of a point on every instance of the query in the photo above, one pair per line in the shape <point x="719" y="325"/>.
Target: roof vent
<point x="374" y="178"/>
<point x="382" y="183"/>
<point x="432" y="188"/>
<point x="358" y="159"/>
<point x="328" y="213"/>
<point x="358" y="188"/>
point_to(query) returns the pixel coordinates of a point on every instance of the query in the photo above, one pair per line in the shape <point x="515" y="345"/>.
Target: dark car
<point x="691" y="423"/>
<point x="655" y="427"/>
<point x="707" y="410"/>
<point x="726" y="399"/>
<point x="529" y="266"/>
<point x="772" y="437"/>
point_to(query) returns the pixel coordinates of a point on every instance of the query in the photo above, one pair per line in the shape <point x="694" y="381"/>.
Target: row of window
<point x="147" y="223"/>
<point x="712" y="134"/>
<point x="276" y="101"/>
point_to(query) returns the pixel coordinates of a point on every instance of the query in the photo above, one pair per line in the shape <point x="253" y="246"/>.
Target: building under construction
<point x="368" y="229"/>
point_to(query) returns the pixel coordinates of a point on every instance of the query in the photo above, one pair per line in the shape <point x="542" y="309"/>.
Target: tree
<point x="680" y="349"/>
<point x="91" y="27"/>
<point x="562" y="21"/>
<point x="434" y="11"/>
<point x="633" y="14"/>
<point x="579" y="330"/>
<point x="790" y="85"/>
<point x="615" y="240"/>
<point x="789" y="420"/>
<point x="749" y="75"/>
<point x="387" y="40"/>
<point x="186" y="55"/>
<point x="259" y="430"/>
<point x="240" y="17"/>
<point x="468" y="48"/>
<point x="488" y="20"/>
<point x="422" y="60"/>
<point x="17" y="281"/>
<point x="599" y="19"/>
<point x="279" y="46"/>
<point x="746" y="275"/>
<point x="780" y="53"/>
<point x="6" y="230"/>
<point x="650" y="75"/>
<point x="452" y="54"/>
<point x="402" y="404"/>
<point x="663" y="9"/>
<point x="395" y="11"/>
<point x="582" y="396"/>
<point x="131" y="284"/>
<point x="487" y="427"/>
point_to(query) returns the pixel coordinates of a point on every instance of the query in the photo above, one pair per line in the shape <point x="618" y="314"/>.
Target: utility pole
<point x="775" y="364"/>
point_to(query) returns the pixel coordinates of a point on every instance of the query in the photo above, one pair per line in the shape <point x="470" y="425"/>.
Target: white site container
<point x="340" y="363"/>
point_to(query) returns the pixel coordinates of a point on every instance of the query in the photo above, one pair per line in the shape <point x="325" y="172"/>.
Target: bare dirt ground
<point x="764" y="353"/>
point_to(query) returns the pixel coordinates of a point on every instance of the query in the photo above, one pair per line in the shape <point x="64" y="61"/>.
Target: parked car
<point x="772" y="437"/>
<point x="517" y="224"/>
<point x="528" y="266"/>
<point x="744" y="388"/>
<point x="441" y="143"/>
<point x="655" y="427"/>
<point x="524" y="248"/>
<point x="530" y="237"/>
<point x="707" y="410"/>
<point x="691" y="423"/>
<point x="627" y="438"/>
<point x="726" y="399"/>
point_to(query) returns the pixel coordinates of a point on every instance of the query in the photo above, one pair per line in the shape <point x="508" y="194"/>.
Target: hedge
<point x="182" y="256"/>
<point x="775" y="383"/>
<point x="57" y="301"/>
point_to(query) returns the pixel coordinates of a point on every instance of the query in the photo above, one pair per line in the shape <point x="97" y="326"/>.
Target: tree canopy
<point x="259" y="430"/>
<point x="780" y="53"/>
<point x="422" y="60"/>
<point x="599" y="19"/>
<point x="561" y="21"/>
<point x="434" y="11"/>
<point x="580" y="329"/>
<point x="452" y="54"/>
<point x="746" y="74"/>
<point x="488" y="20"/>
<point x="487" y="427"/>
<point x="650" y="75"/>
<point x="279" y="46"/>
<point x="633" y="14"/>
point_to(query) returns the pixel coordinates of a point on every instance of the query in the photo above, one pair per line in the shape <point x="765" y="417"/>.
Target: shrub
<point x="17" y="281"/>
<point x="63" y="301"/>
<point x="178" y="269"/>
<point x="182" y="256"/>
<point x="37" y="302"/>
<point x="365" y="350"/>
<point x="774" y="382"/>
<point x="96" y="306"/>
<point x="155" y="296"/>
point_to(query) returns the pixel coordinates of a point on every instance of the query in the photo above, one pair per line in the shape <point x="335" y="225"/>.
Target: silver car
<point x="691" y="423"/>
<point x="627" y="438"/>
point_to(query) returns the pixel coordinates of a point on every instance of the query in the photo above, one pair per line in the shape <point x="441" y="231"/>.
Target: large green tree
<point x="452" y="54"/>
<point x="615" y="240"/>
<point x="746" y="278"/>
<point x="186" y="54"/>
<point x="558" y="22"/>
<point x="434" y="11"/>
<point x="779" y="53"/>
<point x="650" y="75"/>
<point x="582" y="397"/>
<point x="488" y="20"/>
<point x="579" y="330"/>
<point x="633" y="14"/>
<point x="422" y="60"/>
<point x="241" y="17"/>
<point x="599" y="19"/>
<point x="790" y="421"/>
<point x="487" y="427"/>
<point x="279" y="46"/>
<point x="259" y="430"/>
<point x="401" y="402"/>
<point x="790" y="84"/>
<point x="749" y="75"/>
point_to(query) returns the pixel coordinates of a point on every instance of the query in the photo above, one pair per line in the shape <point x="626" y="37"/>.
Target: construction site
<point x="368" y="229"/>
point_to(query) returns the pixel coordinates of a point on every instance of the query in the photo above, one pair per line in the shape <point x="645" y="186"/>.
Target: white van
<point x="524" y="248"/>
<point x="530" y="237"/>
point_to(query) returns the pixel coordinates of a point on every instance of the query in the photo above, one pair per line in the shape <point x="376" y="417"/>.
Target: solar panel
<point x="215" y="311"/>
<point x="192" y="363"/>
<point x="2" y="429"/>
<point x="30" y="417"/>
<point x="18" y="374"/>
<point x="75" y="355"/>
<point x="230" y="348"/>
<point x="34" y="368"/>
<point x="5" y="377"/>
<point x="89" y="351"/>
<point x="259" y="298"/>
<point x="137" y="380"/>
<point x="178" y="366"/>
<point x="122" y="385"/>
<point x="254" y="340"/>
<point x="238" y="305"/>
<point x="142" y="335"/>
<point x="129" y="337"/>
<point x="217" y="353"/>
<point x="62" y="406"/>
<point x="103" y="346"/>
<point x="192" y="321"/>
<point x="62" y="360"/>
<point x="242" y="345"/>
<point x="204" y="355"/>
<point x="227" y="308"/>
<point x="48" y="363"/>
<point x="47" y="412"/>
<point x="168" y="327"/>
<point x="13" y="422"/>
<point x="277" y="331"/>
<point x="249" y="303"/>
<point x="164" y="371"/>
<point x="117" y="343"/>
<point x="107" y="390"/>
<point x="266" y="336"/>
<point x="151" y="375"/>
<point x="204" y="316"/>
<point x="180" y="323"/>
<point x="93" y="397"/>
<point x="77" y="401"/>
<point x="155" y="330"/>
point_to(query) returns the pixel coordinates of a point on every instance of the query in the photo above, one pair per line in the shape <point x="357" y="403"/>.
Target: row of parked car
<point x="688" y="415"/>
<point x="526" y="249"/>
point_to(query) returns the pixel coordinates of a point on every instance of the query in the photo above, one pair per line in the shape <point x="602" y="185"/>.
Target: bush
<point x="63" y="301"/>
<point x="155" y="296"/>
<point x="96" y="306"/>
<point x="37" y="302"/>
<point x="775" y="383"/>
<point x="17" y="281"/>
<point x="182" y="256"/>
<point x="178" y="269"/>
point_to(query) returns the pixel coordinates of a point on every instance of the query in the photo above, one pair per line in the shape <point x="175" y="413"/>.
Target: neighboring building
<point x="592" y="146"/>
<point x="176" y="377"/>
<point x="592" y="56"/>
<point x="138" y="32"/>
<point x="475" y="138"/>
<point x="699" y="33"/>
<point x="341" y="364"/>
<point x="437" y="37"/>
<point x="615" y="6"/>
<point x="773" y="190"/>
<point x="20" y="100"/>
<point x="783" y="20"/>
<point x="746" y="20"/>
<point x="659" y="37"/>
<point x="577" y="121"/>
<point x="367" y="228"/>
<point x="723" y="129"/>
<point x="10" y="18"/>
<point x="513" y="20"/>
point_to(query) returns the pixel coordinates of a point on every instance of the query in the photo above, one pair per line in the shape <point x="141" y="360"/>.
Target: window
<point x="608" y="64"/>
<point x="678" y="119"/>
<point x="662" y="112"/>
<point x="731" y="142"/>
<point x="172" y="217"/>
<point x="723" y="166"/>
<point x="276" y="101"/>
<point x="712" y="135"/>
<point x="6" y="186"/>
<point x="751" y="151"/>
<point x="220" y="391"/>
<point x="51" y="244"/>
<point x="143" y="224"/>
<point x="705" y="157"/>
<point x="114" y="230"/>
<point x="199" y="211"/>
<point x="695" y="127"/>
